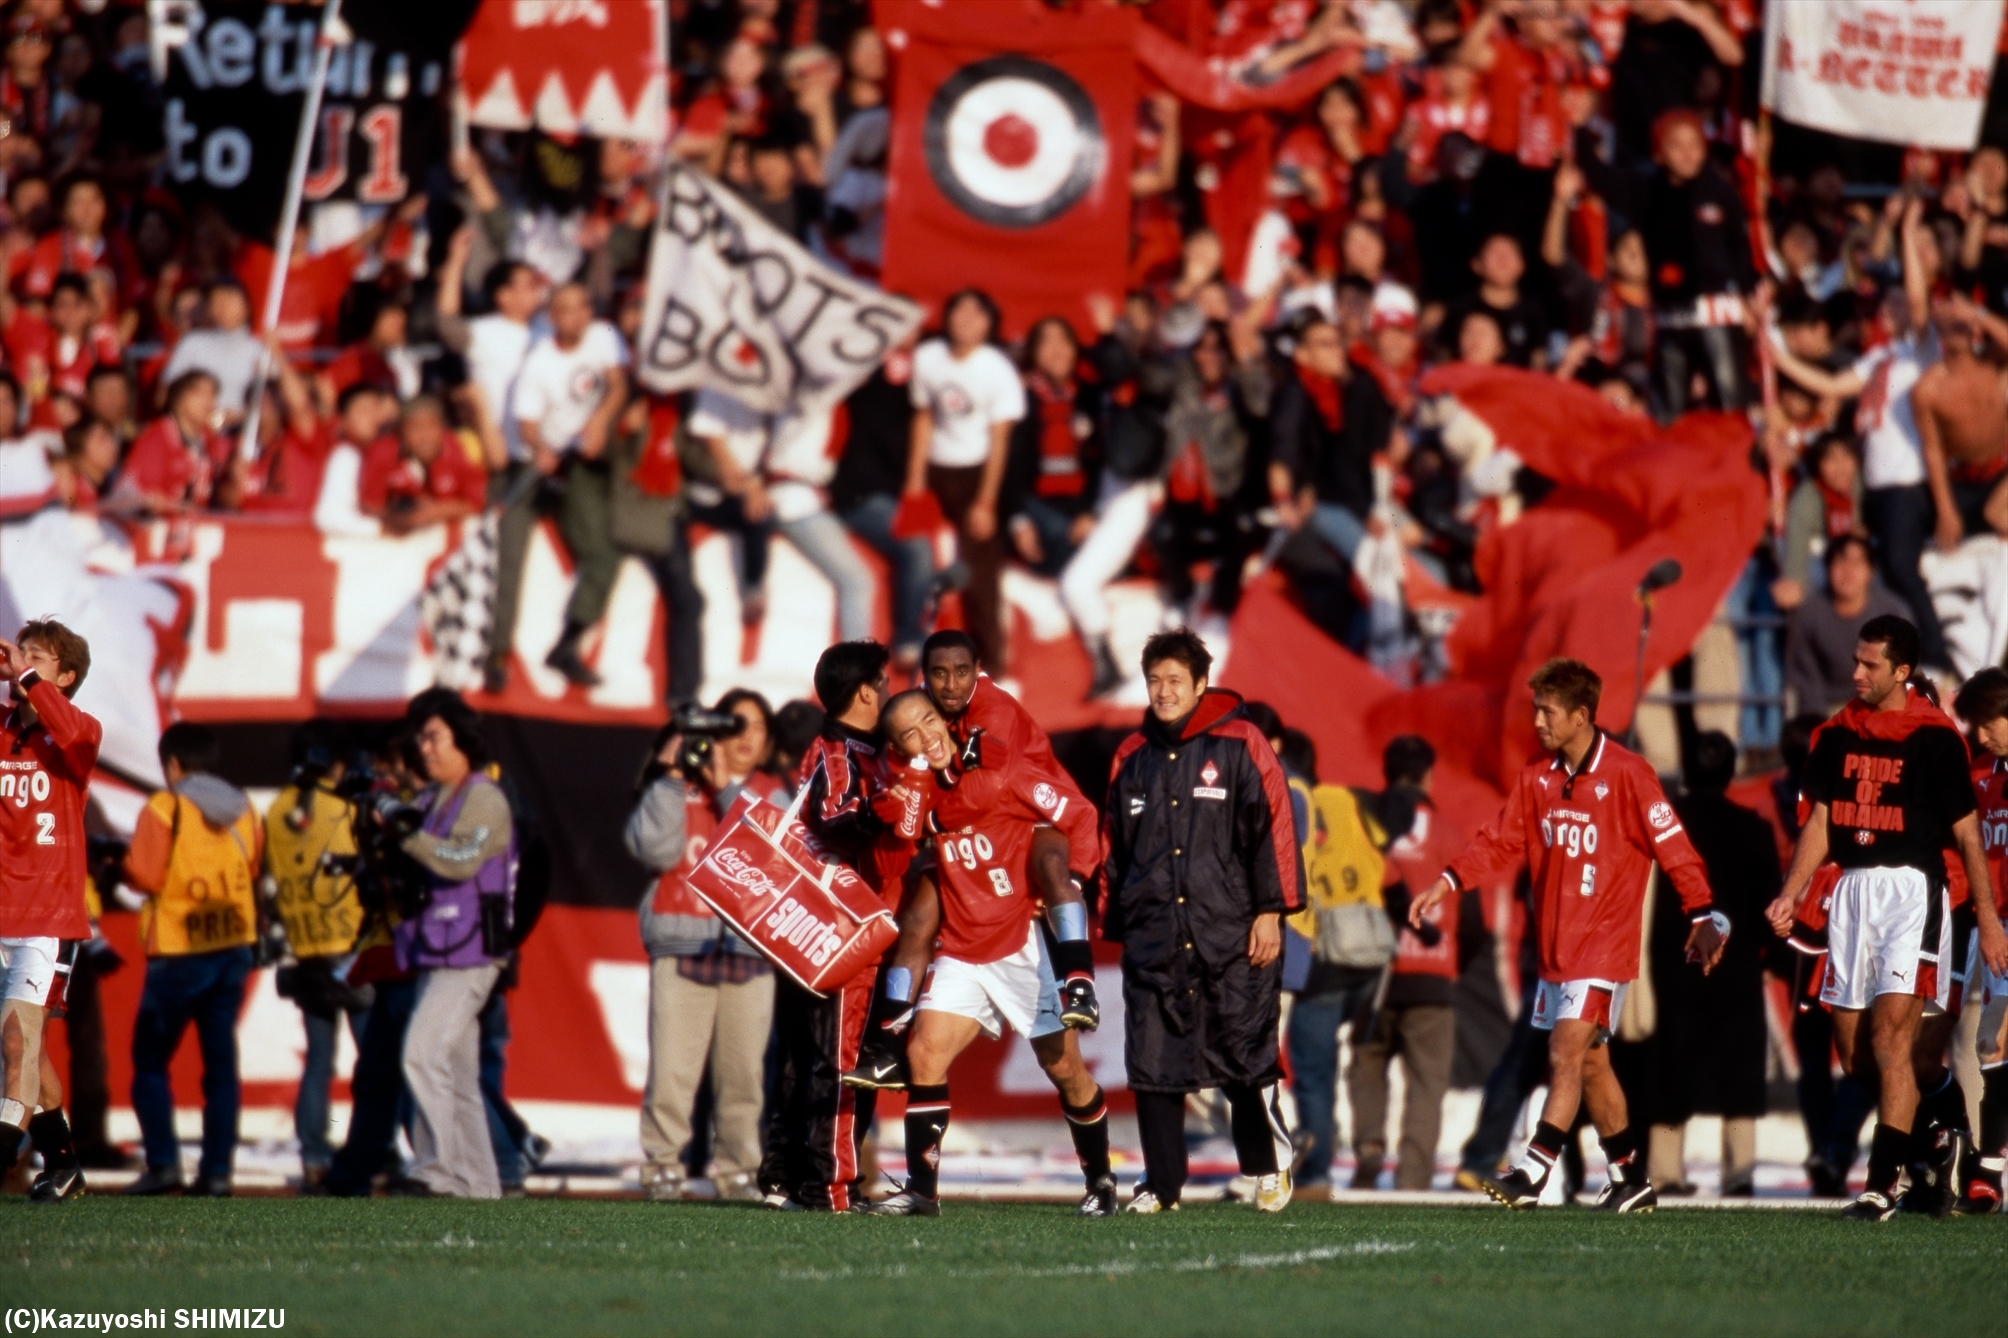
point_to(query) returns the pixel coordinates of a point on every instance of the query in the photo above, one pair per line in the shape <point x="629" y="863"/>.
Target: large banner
<point x="736" y="304"/>
<point x="1900" y="71"/>
<point x="569" y="67"/>
<point x="236" y="80"/>
<point x="1010" y="170"/>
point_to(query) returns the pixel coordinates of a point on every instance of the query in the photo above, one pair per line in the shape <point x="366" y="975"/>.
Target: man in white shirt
<point x="225" y="348"/>
<point x="968" y="395"/>
<point x="572" y="386"/>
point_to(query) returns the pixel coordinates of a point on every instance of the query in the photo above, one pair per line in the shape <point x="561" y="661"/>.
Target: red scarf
<point x="1324" y="392"/>
<point x="1059" y="449"/>
<point x="1840" y="510"/>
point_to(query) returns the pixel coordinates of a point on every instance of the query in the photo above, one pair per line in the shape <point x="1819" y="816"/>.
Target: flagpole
<point x="332" y="33"/>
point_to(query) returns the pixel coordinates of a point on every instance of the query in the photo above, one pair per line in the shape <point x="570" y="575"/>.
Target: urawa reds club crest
<point x="1013" y="141"/>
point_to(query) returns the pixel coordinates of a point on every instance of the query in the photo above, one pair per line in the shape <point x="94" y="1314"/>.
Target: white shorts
<point x="1598" y="1001"/>
<point x="36" y="970"/>
<point x="1989" y="995"/>
<point x="1019" y="990"/>
<point x="1888" y="932"/>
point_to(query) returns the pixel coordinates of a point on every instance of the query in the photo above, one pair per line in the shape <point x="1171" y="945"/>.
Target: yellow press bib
<point x="316" y="903"/>
<point x="206" y="902"/>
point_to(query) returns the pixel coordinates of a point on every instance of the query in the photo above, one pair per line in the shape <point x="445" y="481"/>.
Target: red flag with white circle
<point x="1013" y="126"/>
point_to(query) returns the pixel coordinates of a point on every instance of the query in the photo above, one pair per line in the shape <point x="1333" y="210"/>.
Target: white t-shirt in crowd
<point x="1892" y="452"/>
<point x="338" y="509"/>
<point x="231" y="356"/>
<point x="558" y="389"/>
<point x="966" y="399"/>
<point x="496" y="347"/>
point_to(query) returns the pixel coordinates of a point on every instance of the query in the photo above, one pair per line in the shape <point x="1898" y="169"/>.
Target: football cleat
<point x="1872" y="1206"/>
<point x="1626" y="1196"/>
<point x="881" y="1067"/>
<point x="906" y="1203"/>
<point x="1979" y="1200"/>
<point x="1934" y="1181"/>
<point x="58" y="1184"/>
<point x="1100" y="1200"/>
<point x="1272" y="1192"/>
<point x="1079" y="1008"/>
<point x="1517" y="1189"/>
<point x="1145" y="1201"/>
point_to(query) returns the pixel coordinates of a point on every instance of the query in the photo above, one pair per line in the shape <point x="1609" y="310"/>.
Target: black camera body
<point x="701" y="728"/>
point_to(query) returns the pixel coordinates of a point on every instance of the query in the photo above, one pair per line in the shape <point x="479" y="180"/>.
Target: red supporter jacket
<point x="45" y="773"/>
<point x="1600" y="831"/>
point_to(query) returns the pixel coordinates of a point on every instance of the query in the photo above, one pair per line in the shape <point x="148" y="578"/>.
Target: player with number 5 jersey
<point x="1588" y="822"/>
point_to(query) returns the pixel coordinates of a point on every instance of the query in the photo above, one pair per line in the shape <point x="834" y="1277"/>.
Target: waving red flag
<point x="569" y="67"/>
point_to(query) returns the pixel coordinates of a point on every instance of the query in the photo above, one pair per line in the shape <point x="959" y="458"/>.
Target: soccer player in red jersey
<point x="1601" y="821"/>
<point x="991" y="731"/>
<point x="993" y="965"/>
<point x="1891" y="789"/>
<point x="1983" y="704"/>
<point x="47" y="750"/>
<point x="988" y="720"/>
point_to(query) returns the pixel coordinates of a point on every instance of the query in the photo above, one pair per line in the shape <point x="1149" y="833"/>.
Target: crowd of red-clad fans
<point x="1560" y="185"/>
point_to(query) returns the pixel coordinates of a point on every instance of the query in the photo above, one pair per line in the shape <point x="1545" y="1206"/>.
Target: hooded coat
<point x="1200" y="842"/>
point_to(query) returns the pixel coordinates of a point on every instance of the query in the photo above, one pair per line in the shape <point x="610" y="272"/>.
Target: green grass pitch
<point x="591" y="1267"/>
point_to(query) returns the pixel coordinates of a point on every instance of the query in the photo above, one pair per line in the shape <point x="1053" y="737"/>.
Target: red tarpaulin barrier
<point x="1559" y="582"/>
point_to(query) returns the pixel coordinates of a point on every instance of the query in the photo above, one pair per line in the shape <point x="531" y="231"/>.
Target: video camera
<point x="701" y="728"/>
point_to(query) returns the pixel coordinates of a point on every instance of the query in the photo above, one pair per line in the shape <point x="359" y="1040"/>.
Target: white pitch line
<point x="1121" y="1267"/>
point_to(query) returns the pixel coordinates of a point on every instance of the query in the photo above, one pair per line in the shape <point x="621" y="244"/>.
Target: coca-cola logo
<point x="749" y="876"/>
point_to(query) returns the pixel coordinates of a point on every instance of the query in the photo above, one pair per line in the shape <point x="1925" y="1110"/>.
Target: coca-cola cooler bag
<point x="809" y="915"/>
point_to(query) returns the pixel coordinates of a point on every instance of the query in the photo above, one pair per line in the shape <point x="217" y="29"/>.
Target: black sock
<point x="1944" y="1108"/>
<point x="1994" y="1111"/>
<point x="51" y="1133"/>
<point x="1544" y="1150"/>
<point x="1073" y="958"/>
<point x="1889" y="1149"/>
<point x="1089" y="1126"/>
<point x="1621" y="1151"/>
<point x="882" y="1011"/>
<point x="13" y="1142"/>
<point x="926" y="1122"/>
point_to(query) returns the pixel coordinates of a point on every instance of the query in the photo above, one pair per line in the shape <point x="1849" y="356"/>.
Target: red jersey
<point x="1599" y="830"/>
<point x="983" y="821"/>
<point x="45" y="774"/>
<point x="1433" y="116"/>
<point x="1417" y="858"/>
<point x="286" y="479"/>
<point x="1990" y="780"/>
<point x="163" y="464"/>
<point x="63" y="250"/>
<point x="1011" y="736"/>
<point x="1524" y="87"/>
<point x="392" y="479"/>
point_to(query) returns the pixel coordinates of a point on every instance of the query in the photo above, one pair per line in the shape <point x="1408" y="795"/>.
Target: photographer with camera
<point x="462" y="836"/>
<point x="711" y="996"/>
<point x="310" y="882"/>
